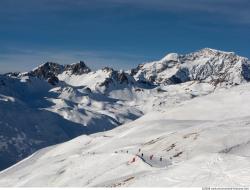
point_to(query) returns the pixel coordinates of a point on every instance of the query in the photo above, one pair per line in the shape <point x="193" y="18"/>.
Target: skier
<point x="151" y="157"/>
<point x="141" y="154"/>
<point x="160" y="158"/>
<point x="139" y="150"/>
<point x="133" y="160"/>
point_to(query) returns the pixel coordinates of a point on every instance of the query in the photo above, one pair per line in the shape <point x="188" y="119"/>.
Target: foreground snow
<point x="203" y="142"/>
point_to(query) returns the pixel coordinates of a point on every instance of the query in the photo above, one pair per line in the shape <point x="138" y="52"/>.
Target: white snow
<point x="170" y="57"/>
<point x="90" y="79"/>
<point x="206" y="65"/>
<point x="203" y="142"/>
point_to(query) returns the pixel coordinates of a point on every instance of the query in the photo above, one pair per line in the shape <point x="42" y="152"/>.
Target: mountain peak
<point x="49" y="66"/>
<point x="206" y="65"/>
<point x="47" y="71"/>
<point x="77" y="68"/>
<point x="50" y="70"/>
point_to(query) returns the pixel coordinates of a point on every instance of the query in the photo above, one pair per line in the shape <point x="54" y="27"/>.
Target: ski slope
<point x="203" y="141"/>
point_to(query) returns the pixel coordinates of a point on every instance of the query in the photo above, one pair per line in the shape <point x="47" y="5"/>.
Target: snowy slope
<point x="202" y="142"/>
<point x="24" y="127"/>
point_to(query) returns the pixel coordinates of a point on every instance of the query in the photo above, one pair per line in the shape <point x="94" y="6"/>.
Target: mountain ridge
<point x="205" y="65"/>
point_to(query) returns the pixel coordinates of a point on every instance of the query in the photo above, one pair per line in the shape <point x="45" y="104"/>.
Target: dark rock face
<point x="135" y="71"/>
<point x="122" y="78"/>
<point x="246" y="71"/>
<point x="78" y="68"/>
<point x="180" y="76"/>
<point x="115" y="77"/>
<point x="48" y="71"/>
<point x="53" y="80"/>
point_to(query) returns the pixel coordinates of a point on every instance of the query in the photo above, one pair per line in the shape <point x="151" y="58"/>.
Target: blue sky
<point x="117" y="33"/>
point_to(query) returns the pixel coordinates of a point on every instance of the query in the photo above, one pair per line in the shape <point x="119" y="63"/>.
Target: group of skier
<point x="141" y="155"/>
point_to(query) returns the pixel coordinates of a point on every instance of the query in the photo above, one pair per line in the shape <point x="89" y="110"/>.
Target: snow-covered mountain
<point x="183" y="108"/>
<point x="37" y="109"/>
<point x="206" y="65"/>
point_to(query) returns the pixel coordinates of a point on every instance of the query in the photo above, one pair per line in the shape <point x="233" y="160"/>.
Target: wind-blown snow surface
<point x="204" y="141"/>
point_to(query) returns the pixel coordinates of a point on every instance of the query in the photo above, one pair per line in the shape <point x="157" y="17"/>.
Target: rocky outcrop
<point x="77" y="68"/>
<point x="49" y="71"/>
<point x="115" y="77"/>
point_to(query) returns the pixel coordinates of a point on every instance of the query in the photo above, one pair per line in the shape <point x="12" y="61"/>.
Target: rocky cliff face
<point x="49" y="71"/>
<point x="77" y="68"/>
<point x="116" y="78"/>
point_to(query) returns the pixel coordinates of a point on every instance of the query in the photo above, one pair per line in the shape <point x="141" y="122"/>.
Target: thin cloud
<point x="236" y="11"/>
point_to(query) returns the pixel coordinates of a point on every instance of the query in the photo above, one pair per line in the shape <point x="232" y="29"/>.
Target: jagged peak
<point x="47" y="69"/>
<point x="77" y="68"/>
<point x="49" y="65"/>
